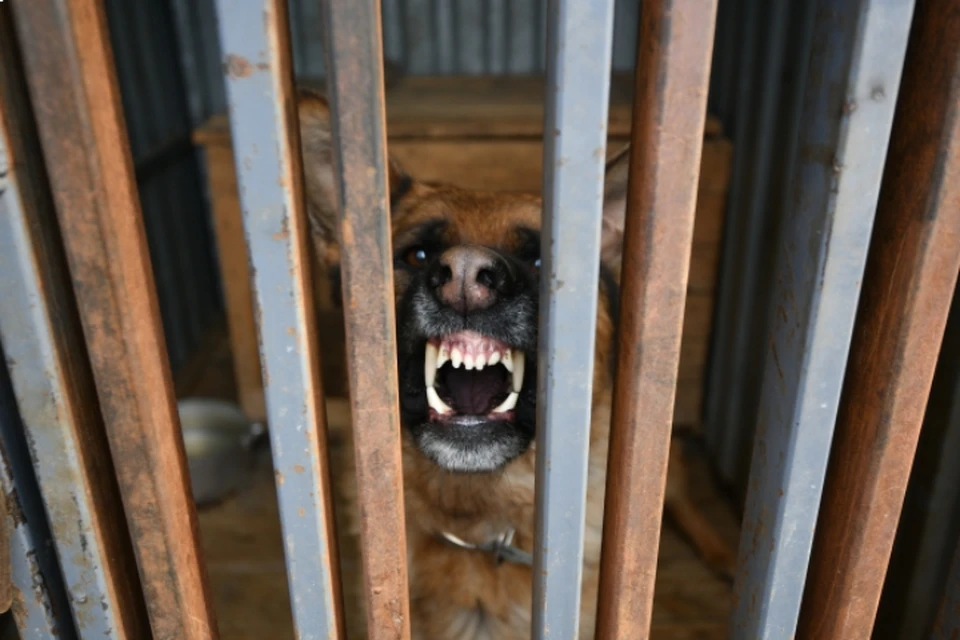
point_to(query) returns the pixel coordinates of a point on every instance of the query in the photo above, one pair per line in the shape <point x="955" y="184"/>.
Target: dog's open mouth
<point x="470" y="376"/>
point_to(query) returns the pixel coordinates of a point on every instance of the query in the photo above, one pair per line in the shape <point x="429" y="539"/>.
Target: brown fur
<point x="460" y="594"/>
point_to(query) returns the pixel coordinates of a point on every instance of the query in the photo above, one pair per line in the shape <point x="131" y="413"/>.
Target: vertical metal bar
<point x="73" y="86"/>
<point x="40" y="608"/>
<point x="355" y="63"/>
<point x="908" y="285"/>
<point x="848" y="109"/>
<point x="669" y="114"/>
<point x="947" y="624"/>
<point x="37" y="613"/>
<point x="53" y="387"/>
<point x="266" y="146"/>
<point x="579" y="51"/>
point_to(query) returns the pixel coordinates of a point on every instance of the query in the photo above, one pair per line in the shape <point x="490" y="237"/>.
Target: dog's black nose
<point x="469" y="278"/>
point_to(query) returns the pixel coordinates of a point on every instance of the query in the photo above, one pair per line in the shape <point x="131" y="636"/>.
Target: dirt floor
<point x="244" y="553"/>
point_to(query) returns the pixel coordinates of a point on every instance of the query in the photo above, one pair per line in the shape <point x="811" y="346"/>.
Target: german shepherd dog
<point x="467" y="296"/>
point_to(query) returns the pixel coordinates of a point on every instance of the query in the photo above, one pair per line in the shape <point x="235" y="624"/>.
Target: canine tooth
<point x="456" y="358"/>
<point x="436" y="403"/>
<point x="494" y="358"/>
<point x="430" y="364"/>
<point x="468" y="362"/>
<point x="508" y="404"/>
<point x="517" y="371"/>
<point x="443" y="356"/>
<point x="508" y="360"/>
<point x="480" y="362"/>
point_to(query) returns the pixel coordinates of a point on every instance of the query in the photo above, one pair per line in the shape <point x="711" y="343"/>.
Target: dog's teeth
<point x="443" y="357"/>
<point x="494" y="358"/>
<point x="456" y="358"/>
<point x="436" y="403"/>
<point x="508" y="404"/>
<point x="508" y="360"/>
<point x="517" y="371"/>
<point x="430" y="364"/>
<point x="480" y="362"/>
<point x="468" y="362"/>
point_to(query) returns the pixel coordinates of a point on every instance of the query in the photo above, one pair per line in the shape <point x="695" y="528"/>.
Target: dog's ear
<point x="614" y="209"/>
<point x="316" y="143"/>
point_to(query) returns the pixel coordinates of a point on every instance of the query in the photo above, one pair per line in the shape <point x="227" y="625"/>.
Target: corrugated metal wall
<point x="169" y="65"/>
<point x="169" y="170"/>
<point x="169" y="62"/>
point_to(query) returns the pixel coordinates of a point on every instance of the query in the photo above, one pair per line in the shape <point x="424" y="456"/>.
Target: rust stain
<point x="238" y="66"/>
<point x="298" y="468"/>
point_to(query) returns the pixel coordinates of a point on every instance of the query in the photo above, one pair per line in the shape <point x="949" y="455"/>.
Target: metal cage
<point x="863" y="268"/>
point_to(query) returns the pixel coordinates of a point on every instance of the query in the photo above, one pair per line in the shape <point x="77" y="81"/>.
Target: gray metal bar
<point x="266" y="145"/>
<point x="54" y="406"/>
<point x="579" y="52"/>
<point x="35" y="608"/>
<point x="53" y="387"/>
<point x="848" y="110"/>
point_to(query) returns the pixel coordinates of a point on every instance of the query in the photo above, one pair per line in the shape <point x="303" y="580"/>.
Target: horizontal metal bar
<point x="669" y="115"/>
<point x="53" y="386"/>
<point x="72" y="82"/>
<point x="848" y="108"/>
<point x="354" y="56"/>
<point x="579" y="53"/>
<point x="266" y="147"/>
<point x="908" y="285"/>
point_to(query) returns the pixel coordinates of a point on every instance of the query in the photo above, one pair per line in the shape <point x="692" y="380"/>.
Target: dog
<point x="467" y="298"/>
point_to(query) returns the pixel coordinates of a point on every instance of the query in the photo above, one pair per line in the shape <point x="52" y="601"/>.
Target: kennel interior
<point x="801" y="95"/>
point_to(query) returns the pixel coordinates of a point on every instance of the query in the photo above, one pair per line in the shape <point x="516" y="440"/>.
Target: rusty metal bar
<point x="848" y="106"/>
<point x="354" y="62"/>
<point x="73" y="86"/>
<point x="669" y="112"/>
<point x="266" y="146"/>
<point x="908" y="285"/>
<point x="52" y="382"/>
<point x="579" y="53"/>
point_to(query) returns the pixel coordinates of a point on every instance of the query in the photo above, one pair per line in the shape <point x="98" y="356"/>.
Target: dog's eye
<point x="416" y="257"/>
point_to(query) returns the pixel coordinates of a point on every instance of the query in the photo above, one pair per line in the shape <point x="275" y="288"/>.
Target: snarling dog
<point x="467" y="298"/>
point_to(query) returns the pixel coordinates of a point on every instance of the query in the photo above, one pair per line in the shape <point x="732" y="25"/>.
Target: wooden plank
<point x="473" y="107"/>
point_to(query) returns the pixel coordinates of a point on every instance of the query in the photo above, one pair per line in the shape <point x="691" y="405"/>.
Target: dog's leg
<point x="718" y="555"/>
